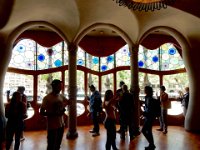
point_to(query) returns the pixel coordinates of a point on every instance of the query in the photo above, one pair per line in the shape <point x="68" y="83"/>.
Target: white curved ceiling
<point x="73" y="16"/>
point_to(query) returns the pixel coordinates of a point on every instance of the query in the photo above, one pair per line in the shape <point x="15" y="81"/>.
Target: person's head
<point x="108" y="95"/>
<point x="187" y="89"/>
<point x="121" y="83"/>
<point x="124" y="88"/>
<point x="56" y="86"/>
<point x="162" y="88"/>
<point x="21" y="89"/>
<point x="148" y="90"/>
<point x="16" y="97"/>
<point x="92" y="88"/>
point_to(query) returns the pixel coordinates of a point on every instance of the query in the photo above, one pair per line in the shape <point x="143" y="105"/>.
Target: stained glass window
<point x="164" y="58"/>
<point x="23" y="55"/>
<point x="107" y="63"/>
<point x="171" y="59"/>
<point x="148" y="59"/>
<point x="92" y="62"/>
<point x="66" y="53"/>
<point x="49" y="57"/>
<point x="123" y="56"/>
<point x="80" y="57"/>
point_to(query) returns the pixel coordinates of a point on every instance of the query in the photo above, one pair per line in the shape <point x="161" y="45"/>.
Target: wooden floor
<point x="176" y="139"/>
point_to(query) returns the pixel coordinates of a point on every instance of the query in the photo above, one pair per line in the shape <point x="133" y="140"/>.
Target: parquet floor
<point x="176" y="139"/>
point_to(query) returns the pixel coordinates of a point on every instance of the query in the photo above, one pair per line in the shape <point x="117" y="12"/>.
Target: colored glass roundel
<point x="110" y="59"/>
<point x="140" y="64"/>
<point x="41" y="57"/>
<point x="172" y="51"/>
<point x="58" y="63"/>
<point x="80" y="62"/>
<point x="104" y="68"/>
<point x="95" y="60"/>
<point x="155" y="59"/>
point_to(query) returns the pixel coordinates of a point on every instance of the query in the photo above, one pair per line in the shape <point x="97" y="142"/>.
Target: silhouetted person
<point x="110" y="120"/>
<point x="126" y="111"/>
<point x="15" y="111"/>
<point x="149" y="117"/>
<point x="95" y="103"/>
<point x="21" y="90"/>
<point x="185" y="101"/>
<point x="164" y="102"/>
<point x="119" y="93"/>
<point x="53" y="107"/>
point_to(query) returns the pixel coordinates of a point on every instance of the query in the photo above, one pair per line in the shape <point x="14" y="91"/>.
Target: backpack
<point x="156" y="107"/>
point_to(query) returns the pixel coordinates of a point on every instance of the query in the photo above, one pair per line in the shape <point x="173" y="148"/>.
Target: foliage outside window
<point x="80" y="85"/>
<point x="107" y="83"/>
<point x="93" y="79"/>
<point x="124" y="75"/>
<point x="175" y="83"/>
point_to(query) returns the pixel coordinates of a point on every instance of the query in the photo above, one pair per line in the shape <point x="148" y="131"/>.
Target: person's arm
<point x="8" y="95"/>
<point x="43" y="110"/>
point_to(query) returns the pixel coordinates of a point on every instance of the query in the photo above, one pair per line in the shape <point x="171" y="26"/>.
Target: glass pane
<point x="66" y="62"/>
<point x="92" y="62"/>
<point x="11" y="83"/>
<point x="23" y="55"/>
<point x="80" y="85"/>
<point x="44" y="84"/>
<point x="66" y="86"/>
<point x="171" y="59"/>
<point x="123" y="56"/>
<point x="175" y="83"/>
<point x="148" y="59"/>
<point x="57" y="55"/>
<point x="80" y="109"/>
<point x="148" y="80"/>
<point x="49" y="57"/>
<point x="107" y="83"/>
<point x="80" y="57"/>
<point x="107" y="63"/>
<point x="154" y="81"/>
<point x="93" y="79"/>
<point x="124" y="75"/>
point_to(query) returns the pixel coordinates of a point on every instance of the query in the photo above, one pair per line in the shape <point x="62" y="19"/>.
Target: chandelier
<point x="145" y="5"/>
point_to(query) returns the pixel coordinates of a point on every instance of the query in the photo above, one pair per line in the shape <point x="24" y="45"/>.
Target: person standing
<point x="119" y="93"/>
<point x="126" y="104"/>
<point x="15" y="112"/>
<point x="95" y="103"/>
<point x="149" y="117"/>
<point x="185" y="101"/>
<point x="53" y="107"/>
<point x="110" y="119"/>
<point x="165" y="105"/>
<point x="21" y="90"/>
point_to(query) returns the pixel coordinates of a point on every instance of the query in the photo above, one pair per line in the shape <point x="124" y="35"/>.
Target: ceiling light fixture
<point x="145" y="5"/>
